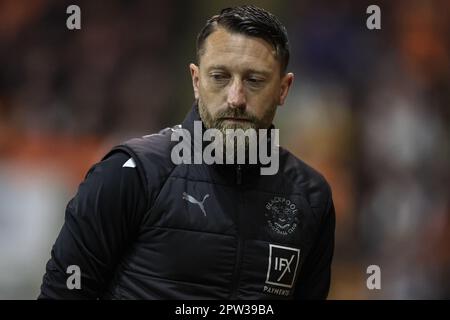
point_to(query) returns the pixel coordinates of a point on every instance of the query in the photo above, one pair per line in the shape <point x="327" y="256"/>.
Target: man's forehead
<point x="222" y="44"/>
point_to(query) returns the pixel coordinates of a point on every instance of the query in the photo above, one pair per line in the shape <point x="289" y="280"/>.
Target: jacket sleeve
<point x="100" y="222"/>
<point x="314" y="278"/>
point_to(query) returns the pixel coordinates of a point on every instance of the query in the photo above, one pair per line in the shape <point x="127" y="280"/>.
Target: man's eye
<point x="218" y="77"/>
<point x="255" y="81"/>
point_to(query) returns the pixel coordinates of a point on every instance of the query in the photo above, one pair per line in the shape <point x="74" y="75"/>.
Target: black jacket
<point x="141" y="227"/>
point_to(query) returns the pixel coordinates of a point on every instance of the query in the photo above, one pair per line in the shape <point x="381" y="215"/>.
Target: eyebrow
<point x="246" y="71"/>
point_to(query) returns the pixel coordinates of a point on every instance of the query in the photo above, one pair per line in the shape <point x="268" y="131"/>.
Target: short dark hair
<point x="251" y="21"/>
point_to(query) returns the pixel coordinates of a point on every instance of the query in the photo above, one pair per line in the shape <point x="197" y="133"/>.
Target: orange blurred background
<point x="369" y="109"/>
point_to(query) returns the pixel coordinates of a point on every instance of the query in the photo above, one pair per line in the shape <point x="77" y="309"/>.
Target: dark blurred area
<point x="368" y="108"/>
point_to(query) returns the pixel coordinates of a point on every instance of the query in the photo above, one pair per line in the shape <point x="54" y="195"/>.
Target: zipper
<point x="239" y="174"/>
<point x="237" y="270"/>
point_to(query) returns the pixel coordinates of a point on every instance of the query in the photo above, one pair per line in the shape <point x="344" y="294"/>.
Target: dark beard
<point x="217" y="122"/>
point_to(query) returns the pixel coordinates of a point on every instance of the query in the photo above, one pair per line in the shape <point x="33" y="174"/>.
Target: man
<point x="144" y="227"/>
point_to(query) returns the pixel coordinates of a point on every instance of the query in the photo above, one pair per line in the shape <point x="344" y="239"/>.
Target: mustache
<point x="236" y="113"/>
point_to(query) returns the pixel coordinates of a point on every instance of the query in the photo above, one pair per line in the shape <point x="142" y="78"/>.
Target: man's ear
<point x="195" y="78"/>
<point x="286" y="83"/>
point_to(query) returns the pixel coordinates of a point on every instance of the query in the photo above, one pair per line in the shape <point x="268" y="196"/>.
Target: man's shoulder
<point x="151" y="156"/>
<point x="151" y="144"/>
<point x="149" y="147"/>
<point x="305" y="178"/>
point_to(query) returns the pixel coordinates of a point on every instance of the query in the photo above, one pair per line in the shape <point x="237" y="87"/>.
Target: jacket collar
<point x="193" y="115"/>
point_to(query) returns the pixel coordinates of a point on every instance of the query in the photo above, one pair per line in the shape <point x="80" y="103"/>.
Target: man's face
<point x="238" y="82"/>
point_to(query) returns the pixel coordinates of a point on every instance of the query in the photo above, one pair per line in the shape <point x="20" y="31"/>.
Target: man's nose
<point x="236" y="95"/>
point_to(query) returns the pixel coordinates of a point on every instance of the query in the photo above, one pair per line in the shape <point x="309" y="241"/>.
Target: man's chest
<point x="248" y="242"/>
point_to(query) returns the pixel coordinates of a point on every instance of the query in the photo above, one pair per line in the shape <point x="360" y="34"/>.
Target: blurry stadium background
<point x="369" y="109"/>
